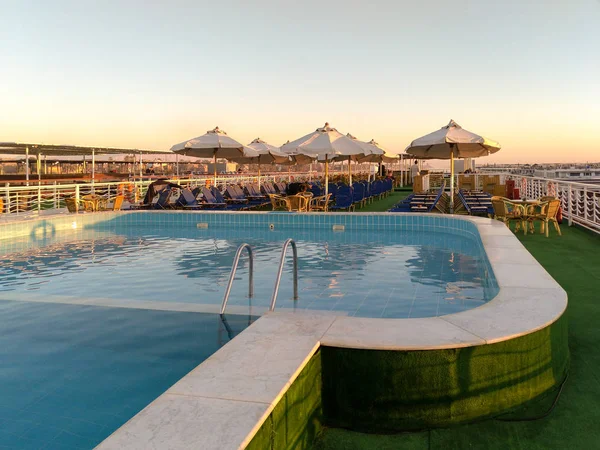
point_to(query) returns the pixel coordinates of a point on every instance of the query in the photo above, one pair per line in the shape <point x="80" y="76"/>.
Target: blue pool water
<point x="70" y="375"/>
<point x="384" y="273"/>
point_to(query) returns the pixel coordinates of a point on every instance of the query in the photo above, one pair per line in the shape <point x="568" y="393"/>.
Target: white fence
<point x="580" y="201"/>
<point x="38" y="198"/>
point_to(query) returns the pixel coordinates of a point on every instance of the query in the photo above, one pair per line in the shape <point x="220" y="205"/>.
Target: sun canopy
<point x="214" y="144"/>
<point x="449" y="142"/>
<point x="377" y="154"/>
<point x="326" y="144"/>
<point x="263" y="154"/>
<point x="452" y="138"/>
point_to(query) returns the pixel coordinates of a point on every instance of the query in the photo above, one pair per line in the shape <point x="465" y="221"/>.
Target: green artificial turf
<point x="574" y="261"/>
<point x="394" y="391"/>
<point x="385" y="203"/>
<point x="296" y="419"/>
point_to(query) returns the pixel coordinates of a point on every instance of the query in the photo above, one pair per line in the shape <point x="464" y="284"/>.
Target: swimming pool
<point x="386" y="268"/>
<point x="101" y="313"/>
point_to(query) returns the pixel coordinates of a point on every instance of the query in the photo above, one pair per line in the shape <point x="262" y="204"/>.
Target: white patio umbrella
<point x="449" y="142"/>
<point x="215" y="143"/>
<point x="377" y="154"/>
<point x="259" y="152"/>
<point x="367" y="150"/>
<point x="326" y="144"/>
<point x="296" y="157"/>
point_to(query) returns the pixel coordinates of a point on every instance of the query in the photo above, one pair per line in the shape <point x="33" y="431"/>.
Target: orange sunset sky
<point x="119" y="74"/>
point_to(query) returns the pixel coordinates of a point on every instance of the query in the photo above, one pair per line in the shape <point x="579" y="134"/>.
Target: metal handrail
<point x="281" y="261"/>
<point x="236" y="261"/>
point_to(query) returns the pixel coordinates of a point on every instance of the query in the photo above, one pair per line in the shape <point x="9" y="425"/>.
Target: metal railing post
<point x="570" y="205"/>
<point x="55" y="196"/>
<point x="279" y="272"/>
<point x="585" y="202"/>
<point x="7" y="196"/>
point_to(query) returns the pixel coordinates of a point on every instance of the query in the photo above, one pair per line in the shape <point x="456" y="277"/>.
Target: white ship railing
<point x="580" y="201"/>
<point x="32" y="199"/>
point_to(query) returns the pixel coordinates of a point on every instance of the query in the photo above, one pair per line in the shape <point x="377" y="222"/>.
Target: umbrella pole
<point x="259" y="177"/>
<point x="326" y="176"/>
<point x="401" y="170"/>
<point x="452" y="179"/>
<point x="289" y="174"/>
<point x="215" y="164"/>
<point x="349" y="172"/>
<point x="93" y="170"/>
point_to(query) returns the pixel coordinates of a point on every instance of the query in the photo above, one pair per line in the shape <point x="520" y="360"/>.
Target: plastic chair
<point x="359" y="193"/>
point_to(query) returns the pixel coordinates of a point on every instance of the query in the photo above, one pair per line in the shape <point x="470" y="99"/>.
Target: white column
<point x="401" y="170"/>
<point x="93" y="168"/>
<point x="452" y="181"/>
<point x="38" y="167"/>
<point x="27" y="165"/>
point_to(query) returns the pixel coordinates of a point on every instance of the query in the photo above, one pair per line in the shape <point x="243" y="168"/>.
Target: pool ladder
<point x="236" y="261"/>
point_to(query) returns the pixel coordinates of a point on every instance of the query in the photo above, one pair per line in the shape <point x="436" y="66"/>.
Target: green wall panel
<point x="390" y="391"/>
<point x="296" y="420"/>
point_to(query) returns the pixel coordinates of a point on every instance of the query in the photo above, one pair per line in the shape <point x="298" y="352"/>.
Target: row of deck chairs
<point x="473" y="202"/>
<point x="360" y="193"/>
<point x="427" y="202"/>
<point x="233" y="198"/>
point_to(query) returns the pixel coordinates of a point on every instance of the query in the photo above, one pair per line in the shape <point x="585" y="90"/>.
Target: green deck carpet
<point x="574" y="261"/>
<point x="385" y="203"/>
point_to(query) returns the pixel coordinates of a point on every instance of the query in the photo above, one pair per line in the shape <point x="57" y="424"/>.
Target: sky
<point x="149" y="74"/>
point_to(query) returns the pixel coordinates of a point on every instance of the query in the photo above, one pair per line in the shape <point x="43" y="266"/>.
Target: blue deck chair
<point x="332" y="187"/>
<point x="475" y="205"/>
<point x="281" y="188"/>
<point x="315" y="189"/>
<point x="344" y="199"/>
<point x="267" y="188"/>
<point x="235" y="194"/>
<point x="230" y="206"/>
<point x="210" y="201"/>
<point x="377" y="188"/>
<point x="368" y="194"/>
<point x="254" y="196"/>
<point x="389" y="186"/>
<point x="187" y="200"/>
<point x="358" y="195"/>
<point x="428" y="206"/>
<point x="164" y="200"/>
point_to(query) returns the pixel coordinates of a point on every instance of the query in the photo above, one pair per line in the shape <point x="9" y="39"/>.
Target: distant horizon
<point x="119" y="74"/>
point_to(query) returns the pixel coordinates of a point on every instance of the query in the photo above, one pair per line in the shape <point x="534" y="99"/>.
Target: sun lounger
<point x="210" y="200"/>
<point x="229" y="205"/>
